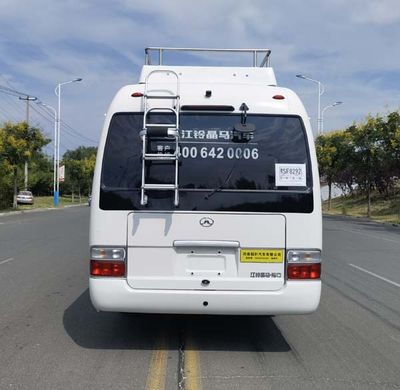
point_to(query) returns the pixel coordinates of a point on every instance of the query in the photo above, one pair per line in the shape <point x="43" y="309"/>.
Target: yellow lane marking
<point x="192" y="366"/>
<point x="158" y="365"/>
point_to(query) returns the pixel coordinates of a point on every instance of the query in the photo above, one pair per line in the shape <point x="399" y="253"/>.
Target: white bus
<point x="206" y="196"/>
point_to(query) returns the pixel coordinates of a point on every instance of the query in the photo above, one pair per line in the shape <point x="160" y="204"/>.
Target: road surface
<point x="52" y="338"/>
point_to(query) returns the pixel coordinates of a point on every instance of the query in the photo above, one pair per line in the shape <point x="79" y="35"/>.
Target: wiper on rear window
<point x="220" y="187"/>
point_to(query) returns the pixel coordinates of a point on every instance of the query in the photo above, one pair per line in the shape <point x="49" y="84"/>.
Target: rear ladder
<point x="169" y="131"/>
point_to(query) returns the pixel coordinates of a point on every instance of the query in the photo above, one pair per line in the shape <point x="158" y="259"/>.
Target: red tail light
<point x="107" y="268"/>
<point x="304" y="271"/>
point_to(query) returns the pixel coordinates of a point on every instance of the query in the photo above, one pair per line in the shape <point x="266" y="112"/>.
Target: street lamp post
<point x="321" y="90"/>
<point x="57" y="167"/>
<point x="322" y="114"/>
<point x="55" y="200"/>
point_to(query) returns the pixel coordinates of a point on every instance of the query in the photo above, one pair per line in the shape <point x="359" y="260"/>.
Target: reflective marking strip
<point x="192" y="367"/>
<point x="158" y="365"/>
<point x="7" y="260"/>
<point x="377" y="276"/>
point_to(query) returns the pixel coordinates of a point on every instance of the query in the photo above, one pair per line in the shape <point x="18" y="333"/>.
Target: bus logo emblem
<point x="206" y="222"/>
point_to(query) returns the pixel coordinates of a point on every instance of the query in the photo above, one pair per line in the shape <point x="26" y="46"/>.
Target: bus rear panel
<point x="206" y="206"/>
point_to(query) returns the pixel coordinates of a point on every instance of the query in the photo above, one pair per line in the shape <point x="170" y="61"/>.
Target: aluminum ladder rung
<point x="160" y="156"/>
<point x="168" y="125"/>
<point x="161" y="97"/>
<point x="159" y="186"/>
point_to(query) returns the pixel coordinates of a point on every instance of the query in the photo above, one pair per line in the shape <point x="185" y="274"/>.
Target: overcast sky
<point x="351" y="46"/>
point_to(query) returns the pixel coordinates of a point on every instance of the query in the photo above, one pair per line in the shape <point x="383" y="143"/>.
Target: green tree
<point x="333" y="150"/>
<point x="41" y="174"/>
<point x="366" y="154"/>
<point x="389" y="129"/>
<point x="370" y="155"/>
<point x="19" y="143"/>
<point x="79" y="168"/>
<point x="88" y="170"/>
<point x="5" y="182"/>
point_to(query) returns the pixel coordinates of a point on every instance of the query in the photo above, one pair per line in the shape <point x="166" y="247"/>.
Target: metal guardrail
<point x="254" y="52"/>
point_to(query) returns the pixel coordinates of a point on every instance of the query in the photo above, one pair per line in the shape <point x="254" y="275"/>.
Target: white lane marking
<point x="377" y="276"/>
<point x="394" y="338"/>
<point x="7" y="260"/>
<point x="370" y="235"/>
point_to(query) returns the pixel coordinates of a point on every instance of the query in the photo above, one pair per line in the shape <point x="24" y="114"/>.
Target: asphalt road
<point x="52" y="338"/>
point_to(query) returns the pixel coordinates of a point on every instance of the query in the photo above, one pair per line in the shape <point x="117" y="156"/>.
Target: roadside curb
<point x="38" y="210"/>
<point x="360" y="219"/>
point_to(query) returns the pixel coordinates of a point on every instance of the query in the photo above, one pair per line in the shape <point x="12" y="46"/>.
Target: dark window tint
<point x="216" y="161"/>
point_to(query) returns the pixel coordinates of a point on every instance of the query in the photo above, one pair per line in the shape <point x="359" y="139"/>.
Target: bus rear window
<point x="220" y="168"/>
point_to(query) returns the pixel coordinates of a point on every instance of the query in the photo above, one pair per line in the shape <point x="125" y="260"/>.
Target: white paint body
<point x="163" y="275"/>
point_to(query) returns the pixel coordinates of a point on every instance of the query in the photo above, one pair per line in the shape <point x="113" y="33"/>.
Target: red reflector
<point x="304" y="271"/>
<point x="137" y="94"/>
<point x="278" y="97"/>
<point x="107" y="268"/>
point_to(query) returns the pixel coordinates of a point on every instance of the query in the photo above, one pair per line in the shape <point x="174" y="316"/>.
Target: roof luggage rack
<point x="253" y="52"/>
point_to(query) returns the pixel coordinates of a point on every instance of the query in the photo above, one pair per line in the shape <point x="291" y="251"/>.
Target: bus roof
<point x="255" y="85"/>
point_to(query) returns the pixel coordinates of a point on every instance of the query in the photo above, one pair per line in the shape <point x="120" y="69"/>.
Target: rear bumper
<point x="24" y="201"/>
<point x="296" y="297"/>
